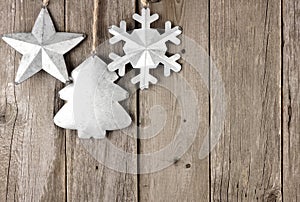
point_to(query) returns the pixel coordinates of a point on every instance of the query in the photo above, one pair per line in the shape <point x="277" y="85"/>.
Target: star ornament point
<point x="43" y="48"/>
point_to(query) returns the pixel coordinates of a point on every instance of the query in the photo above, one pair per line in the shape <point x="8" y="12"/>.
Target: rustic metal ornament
<point x="92" y="105"/>
<point x="145" y="48"/>
<point x="43" y="48"/>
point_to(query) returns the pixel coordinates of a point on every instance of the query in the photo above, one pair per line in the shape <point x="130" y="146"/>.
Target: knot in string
<point x="45" y="3"/>
<point x="145" y="3"/>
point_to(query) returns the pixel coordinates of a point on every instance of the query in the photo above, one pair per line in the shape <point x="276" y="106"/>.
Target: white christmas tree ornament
<point x="92" y="105"/>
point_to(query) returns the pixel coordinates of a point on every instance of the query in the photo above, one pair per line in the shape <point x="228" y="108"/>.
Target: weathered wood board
<point x="188" y="178"/>
<point x="245" y="44"/>
<point x="87" y="179"/>
<point x="290" y="102"/>
<point x="255" y="47"/>
<point x="32" y="149"/>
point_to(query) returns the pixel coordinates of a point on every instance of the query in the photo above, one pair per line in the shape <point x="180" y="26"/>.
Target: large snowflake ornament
<point x="145" y="48"/>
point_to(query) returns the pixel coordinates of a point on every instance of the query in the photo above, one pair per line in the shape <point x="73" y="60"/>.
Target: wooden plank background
<point x="255" y="45"/>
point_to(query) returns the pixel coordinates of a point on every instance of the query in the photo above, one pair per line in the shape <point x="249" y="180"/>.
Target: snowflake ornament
<point x="93" y="98"/>
<point x="145" y="48"/>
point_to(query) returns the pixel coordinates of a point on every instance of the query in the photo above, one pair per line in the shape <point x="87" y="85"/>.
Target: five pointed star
<point x="43" y="48"/>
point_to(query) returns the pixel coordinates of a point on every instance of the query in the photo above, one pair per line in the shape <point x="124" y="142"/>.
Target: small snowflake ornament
<point x="92" y="105"/>
<point x="145" y="48"/>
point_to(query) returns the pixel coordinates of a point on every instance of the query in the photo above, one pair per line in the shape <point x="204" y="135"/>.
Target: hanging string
<point x="95" y="24"/>
<point x="45" y="3"/>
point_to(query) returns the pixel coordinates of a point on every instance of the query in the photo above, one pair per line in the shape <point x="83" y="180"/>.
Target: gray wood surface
<point x="31" y="148"/>
<point x="87" y="179"/>
<point x="255" y="46"/>
<point x="245" y="45"/>
<point x="188" y="178"/>
<point x="291" y="97"/>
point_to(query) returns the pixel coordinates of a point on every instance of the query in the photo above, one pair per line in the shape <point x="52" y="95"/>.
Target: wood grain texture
<point x="87" y="178"/>
<point x="32" y="148"/>
<point x="291" y="98"/>
<point x="245" y="45"/>
<point x="187" y="179"/>
<point x="257" y="158"/>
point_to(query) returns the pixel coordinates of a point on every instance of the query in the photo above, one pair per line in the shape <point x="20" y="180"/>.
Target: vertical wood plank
<point x="291" y="97"/>
<point x="89" y="180"/>
<point x="245" y="45"/>
<point x="187" y="179"/>
<point x="32" y="148"/>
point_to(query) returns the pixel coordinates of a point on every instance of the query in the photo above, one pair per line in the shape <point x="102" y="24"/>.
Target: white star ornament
<point x="43" y="48"/>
